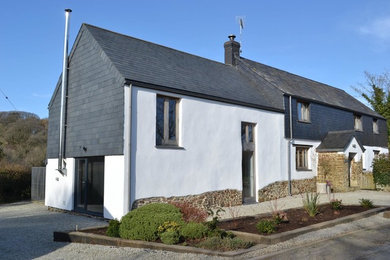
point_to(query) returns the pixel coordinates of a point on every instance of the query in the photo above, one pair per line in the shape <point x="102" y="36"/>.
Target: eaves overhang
<point x="199" y="95"/>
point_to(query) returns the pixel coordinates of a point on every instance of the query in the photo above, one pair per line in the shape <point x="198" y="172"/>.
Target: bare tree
<point x="376" y="92"/>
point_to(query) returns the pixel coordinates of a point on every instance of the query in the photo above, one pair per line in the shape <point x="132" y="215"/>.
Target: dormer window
<point x="303" y="112"/>
<point x="358" y="123"/>
<point x="375" y="128"/>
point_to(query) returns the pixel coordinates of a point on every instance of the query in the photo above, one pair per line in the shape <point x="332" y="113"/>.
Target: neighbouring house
<point x="149" y="123"/>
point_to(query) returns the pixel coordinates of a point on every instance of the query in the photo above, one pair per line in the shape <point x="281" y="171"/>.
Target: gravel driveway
<point x="26" y="232"/>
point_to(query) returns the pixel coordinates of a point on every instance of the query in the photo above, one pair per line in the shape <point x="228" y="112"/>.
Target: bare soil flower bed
<point x="297" y="218"/>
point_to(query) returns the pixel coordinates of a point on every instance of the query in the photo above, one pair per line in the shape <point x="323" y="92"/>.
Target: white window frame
<point x="303" y="110"/>
<point x="358" y="123"/>
<point x="302" y="164"/>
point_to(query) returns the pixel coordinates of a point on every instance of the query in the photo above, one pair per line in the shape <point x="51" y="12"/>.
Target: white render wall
<point x="114" y="188"/>
<point x="368" y="156"/>
<point x="312" y="160"/>
<point x="210" y="135"/>
<point x="59" y="188"/>
<point x="354" y="147"/>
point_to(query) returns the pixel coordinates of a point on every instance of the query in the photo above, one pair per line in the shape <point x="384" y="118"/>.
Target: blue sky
<point x="331" y="41"/>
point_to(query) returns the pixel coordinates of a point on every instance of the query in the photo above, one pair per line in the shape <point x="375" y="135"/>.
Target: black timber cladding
<point x="94" y="118"/>
<point x="324" y="119"/>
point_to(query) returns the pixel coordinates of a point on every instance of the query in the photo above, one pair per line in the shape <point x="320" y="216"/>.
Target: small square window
<point x="302" y="158"/>
<point x="358" y="123"/>
<point x="375" y="128"/>
<point x="303" y="112"/>
<point x="166" y="120"/>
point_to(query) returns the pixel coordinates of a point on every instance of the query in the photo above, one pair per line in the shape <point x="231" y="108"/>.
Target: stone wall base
<point x="279" y="189"/>
<point x="367" y="181"/>
<point x="221" y="198"/>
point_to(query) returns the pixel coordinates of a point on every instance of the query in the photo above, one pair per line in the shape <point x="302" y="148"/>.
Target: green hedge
<point x="143" y="223"/>
<point x="15" y="185"/>
<point x="381" y="170"/>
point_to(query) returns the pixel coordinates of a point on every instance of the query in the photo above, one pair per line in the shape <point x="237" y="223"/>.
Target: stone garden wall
<point x="367" y="181"/>
<point x="279" y="189"/>
<point x="222" y="198"/>
<point x="333" y="167"/>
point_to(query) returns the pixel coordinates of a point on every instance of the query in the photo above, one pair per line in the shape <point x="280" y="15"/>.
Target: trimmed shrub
<point x="113" y="228"/>
<point x="193" y="230"/>
<point x="224" y="244"/>
<point x="143" y="223"/>
<point x="381" y="170"/>
<point x="190" y="212"/>
<point x="168" y="226"/>
<point x="266" y="226"/>
<point x="170" y="237"/>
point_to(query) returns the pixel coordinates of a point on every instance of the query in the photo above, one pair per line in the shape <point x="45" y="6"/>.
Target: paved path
<point x="371" y="243"/>
<point x="348" y="198"/>
<point x="26" y="232"/>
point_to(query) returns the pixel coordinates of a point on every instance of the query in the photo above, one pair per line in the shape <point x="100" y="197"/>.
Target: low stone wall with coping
<point x="221" y="198"/>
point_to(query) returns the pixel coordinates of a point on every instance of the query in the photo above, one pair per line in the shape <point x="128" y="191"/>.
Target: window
<point x="247" y="132"/>
<point x="358" y="123"/>
<point x="166" y="120"/>
<point x="303" y="112"/>
<point x="375" y="128"/>
<point x="302" y="158"/>
<point x="376" y="154"/>
<point x="248" y="136"/>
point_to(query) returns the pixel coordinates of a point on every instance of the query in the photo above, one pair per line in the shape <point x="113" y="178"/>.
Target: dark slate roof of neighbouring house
<point x="337" y="141"/>
<point x="298" y="86"/>
<point x="153" y="64"/>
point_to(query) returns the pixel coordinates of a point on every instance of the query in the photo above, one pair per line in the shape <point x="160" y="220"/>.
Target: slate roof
<point x="145" y="62"/>
<point x="298" y="86"/>
<point x="257" y="85"/>
<point x="337" y="141"/>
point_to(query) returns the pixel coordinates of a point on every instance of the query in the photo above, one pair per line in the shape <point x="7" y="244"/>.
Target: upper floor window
<point x="247" y="132"/>
<point x="303" y="112"/>
<point x="358" y="123"/>
<point x="248" y="136"/>
<point x="375" y="128"/>
<point x="167" y="130"/>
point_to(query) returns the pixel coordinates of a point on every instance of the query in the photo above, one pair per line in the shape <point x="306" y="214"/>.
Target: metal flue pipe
<point x="64" y="85"/>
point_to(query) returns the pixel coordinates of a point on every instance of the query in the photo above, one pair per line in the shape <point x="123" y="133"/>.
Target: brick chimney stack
<point x="232" y="50"/>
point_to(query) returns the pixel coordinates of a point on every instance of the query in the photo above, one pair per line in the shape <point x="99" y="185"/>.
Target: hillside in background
<point x="23" y="138"/>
